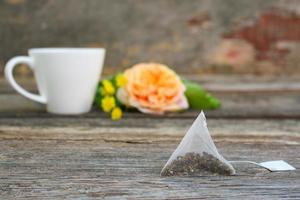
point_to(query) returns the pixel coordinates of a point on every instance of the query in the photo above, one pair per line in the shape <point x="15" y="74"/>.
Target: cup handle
<point x="9" y="67"/>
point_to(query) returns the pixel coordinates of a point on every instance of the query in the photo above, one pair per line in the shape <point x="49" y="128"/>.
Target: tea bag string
<point x="247" y="161"/>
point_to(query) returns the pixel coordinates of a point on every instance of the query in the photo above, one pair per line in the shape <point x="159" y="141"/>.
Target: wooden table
<point x="43" y="156"/>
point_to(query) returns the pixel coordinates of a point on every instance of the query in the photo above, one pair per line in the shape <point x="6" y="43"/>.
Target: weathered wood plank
<point x="241" y="97"/>
<point x="265" y="98"/>
<point x="44" y="156"/>
<point x="145" y="129"/>
<point x="248" y="105"/>
<point x="213" y="83"/>
<point x="66" y="169"/>
<point x="75" y="158"/>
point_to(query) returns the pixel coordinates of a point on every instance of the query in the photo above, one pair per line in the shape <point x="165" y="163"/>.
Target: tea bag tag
<point x="277" y="165"/>
<point x="273" y="166"/>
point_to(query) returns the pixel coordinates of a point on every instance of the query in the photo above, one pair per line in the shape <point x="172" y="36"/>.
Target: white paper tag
<point x="277" y="165"/>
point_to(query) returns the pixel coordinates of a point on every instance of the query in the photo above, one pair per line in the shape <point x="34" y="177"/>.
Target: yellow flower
<point x="121" y="80"/>
<point x="116" y="113"/>
<point x="108" y="87"/>
<point x="108" y="103"/>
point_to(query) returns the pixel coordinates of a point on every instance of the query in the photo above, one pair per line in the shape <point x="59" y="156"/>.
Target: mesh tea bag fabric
<point x="197" y="154"/>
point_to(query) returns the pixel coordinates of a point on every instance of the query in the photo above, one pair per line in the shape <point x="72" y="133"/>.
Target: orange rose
<point x="153" y="88"/>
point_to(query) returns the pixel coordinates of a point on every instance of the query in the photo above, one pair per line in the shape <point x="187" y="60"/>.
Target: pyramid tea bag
<point x="197" y="154"/>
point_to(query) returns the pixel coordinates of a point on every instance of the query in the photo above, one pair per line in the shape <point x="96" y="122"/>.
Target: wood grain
<point x="144" y="129"/>
<point x="241" y="97"/>
<point x="86" y="158"/>
<point x="234" y="105"/>
<point x="66" y="169"/>
<point x="44" y="156"/>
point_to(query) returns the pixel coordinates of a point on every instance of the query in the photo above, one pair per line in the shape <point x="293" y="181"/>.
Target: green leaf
<point x="198" y="98"/>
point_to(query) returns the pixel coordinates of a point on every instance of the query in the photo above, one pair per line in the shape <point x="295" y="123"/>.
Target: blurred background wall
<point x="259" y="37"/>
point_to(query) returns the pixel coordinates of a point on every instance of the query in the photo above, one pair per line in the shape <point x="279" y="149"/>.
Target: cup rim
<point x="64" y="50"/>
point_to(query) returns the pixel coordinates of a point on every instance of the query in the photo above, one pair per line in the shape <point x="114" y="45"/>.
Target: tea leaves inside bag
<point x="195" y="164"/>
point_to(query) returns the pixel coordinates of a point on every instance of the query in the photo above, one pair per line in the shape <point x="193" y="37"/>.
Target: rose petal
<point x="148" y="111"/>
<point x="181" y="104"/>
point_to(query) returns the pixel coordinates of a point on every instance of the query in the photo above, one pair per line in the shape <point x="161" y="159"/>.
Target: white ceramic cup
<point x="66" y="78"/>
